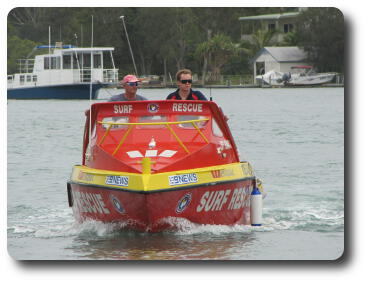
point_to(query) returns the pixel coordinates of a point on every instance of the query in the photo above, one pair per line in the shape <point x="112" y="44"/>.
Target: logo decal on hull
<point x="153" y="107"/>
<point x="89" y="202"/>
<point x="121" y="109"/>
<point x="183" y="179"/>
<point x="183" y="203"/>
<point x="122" y="181"/>
<point x="222" y="173"/>
<point x="117" y="204"/>
<point x="85" y="176"/>
<point x="229" y="199"/>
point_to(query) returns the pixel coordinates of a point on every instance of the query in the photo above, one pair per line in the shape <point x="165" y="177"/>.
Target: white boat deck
<point x="66" y="67"/>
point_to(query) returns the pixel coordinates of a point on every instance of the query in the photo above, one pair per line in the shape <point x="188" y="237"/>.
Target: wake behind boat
<point x="66" y="73"/>
<point x="146" y="164"/>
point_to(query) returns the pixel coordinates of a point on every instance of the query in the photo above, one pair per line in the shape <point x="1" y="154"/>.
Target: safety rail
<point x="167" y="124"/>
<point x="25" y="65"/>
<point x="110" y="75"/>
<point x="85" y="75"/>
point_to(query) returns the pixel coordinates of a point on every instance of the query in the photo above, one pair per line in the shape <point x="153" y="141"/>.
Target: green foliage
<point x="290" y="39"/>
<point x="321" y="34"/>
<point x="218" y="50"/>
<point x="263" y="38"/>
<point x="166" y="39"/>
<point x="18" y="49"/>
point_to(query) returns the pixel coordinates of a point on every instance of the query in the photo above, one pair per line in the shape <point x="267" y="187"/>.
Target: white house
<point x="283" y="23"/>
<point x="280" y="59"/>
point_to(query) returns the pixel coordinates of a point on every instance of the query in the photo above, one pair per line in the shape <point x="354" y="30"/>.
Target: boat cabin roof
<point x="302" y="67"/>
<point x="84" y="50"/>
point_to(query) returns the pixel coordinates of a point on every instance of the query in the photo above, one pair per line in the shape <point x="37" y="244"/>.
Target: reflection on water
<point x="185" y="245"/>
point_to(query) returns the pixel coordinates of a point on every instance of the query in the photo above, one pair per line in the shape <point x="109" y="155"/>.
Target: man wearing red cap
<point x="130" y="84"/>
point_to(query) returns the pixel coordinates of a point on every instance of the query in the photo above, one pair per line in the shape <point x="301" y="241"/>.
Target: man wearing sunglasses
<point x="184" y="91"/>
<point x="130" y="84"/>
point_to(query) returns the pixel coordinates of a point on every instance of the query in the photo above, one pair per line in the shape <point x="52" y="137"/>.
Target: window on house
<point x="288" y="28"/>
<point x="271" y="27"/>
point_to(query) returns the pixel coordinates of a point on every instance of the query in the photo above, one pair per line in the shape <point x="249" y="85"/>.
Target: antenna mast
<point x="91" y="87"/>
<point x="128" y="41"/>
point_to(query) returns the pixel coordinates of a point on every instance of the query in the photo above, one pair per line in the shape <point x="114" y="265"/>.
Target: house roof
<point x="269" y="17"/>
<point x="283" y="54"/>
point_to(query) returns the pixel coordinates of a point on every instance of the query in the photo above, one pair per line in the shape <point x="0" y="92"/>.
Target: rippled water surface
<point x="294" y="138"/>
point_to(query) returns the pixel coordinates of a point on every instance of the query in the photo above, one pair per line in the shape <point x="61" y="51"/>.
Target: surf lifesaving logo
<point x="153" y="107"/>
<point x="183" y="179"/>
<point x="183" y="203"/>
<point x="117" y="204"/>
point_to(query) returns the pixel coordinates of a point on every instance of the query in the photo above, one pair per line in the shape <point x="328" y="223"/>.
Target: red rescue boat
<point x="146" y="164"/>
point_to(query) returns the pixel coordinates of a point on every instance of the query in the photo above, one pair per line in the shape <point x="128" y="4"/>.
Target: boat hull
<point x="159" y="162"/>
<point x="75" y="91"/>
<point x="217" y="195"/>
<point x="274" y="78"/>
<point x="226" y="203"/>
<point x="312" y="80"/>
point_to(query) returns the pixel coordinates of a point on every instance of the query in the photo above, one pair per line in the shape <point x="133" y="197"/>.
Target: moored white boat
<point x="298" y="76"/>
<point x="65" y="73"/>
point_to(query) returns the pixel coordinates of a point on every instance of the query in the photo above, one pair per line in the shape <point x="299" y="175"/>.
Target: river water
<point x="294" y="139"/>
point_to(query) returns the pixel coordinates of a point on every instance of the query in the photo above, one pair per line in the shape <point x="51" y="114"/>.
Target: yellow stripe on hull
<point x="161" y="181"/>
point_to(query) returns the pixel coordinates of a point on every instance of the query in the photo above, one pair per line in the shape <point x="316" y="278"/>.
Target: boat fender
<point x="259" y="185"/>
<point x="256" y="207"/>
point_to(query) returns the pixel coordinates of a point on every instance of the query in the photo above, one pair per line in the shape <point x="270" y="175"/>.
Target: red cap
<point x="129" y="79"/>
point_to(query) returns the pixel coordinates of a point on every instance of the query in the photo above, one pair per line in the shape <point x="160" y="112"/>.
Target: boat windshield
<point x="116" y="119"/>
<point x="151" y="119"/>
<point x="123" y="127"/>
<point x="200" y="124"/>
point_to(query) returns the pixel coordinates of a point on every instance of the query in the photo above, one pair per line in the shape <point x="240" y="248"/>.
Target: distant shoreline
<point x="233" y="86"/>
<point x="244" y="86"/>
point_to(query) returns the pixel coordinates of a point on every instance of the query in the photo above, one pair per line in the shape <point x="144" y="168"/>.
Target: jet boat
<point x="148" y="164"/>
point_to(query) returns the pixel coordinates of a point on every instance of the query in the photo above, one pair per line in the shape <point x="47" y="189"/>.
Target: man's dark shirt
<point x="194" y="95"/>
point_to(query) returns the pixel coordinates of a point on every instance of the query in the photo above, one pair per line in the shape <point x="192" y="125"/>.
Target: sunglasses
<point x="186" y="81"/>
<point x="132" y="84"/>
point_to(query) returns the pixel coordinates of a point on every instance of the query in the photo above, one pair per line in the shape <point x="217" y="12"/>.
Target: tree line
<point x="163" y="40"/>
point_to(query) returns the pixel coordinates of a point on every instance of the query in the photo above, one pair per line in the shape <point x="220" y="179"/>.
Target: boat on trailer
<point x="67" y="72"/>
<point x="148" y="164"/>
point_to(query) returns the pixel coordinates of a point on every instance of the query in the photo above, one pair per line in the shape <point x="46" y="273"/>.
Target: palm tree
<point x="217" y="51"/>
<point x="262" y="38"/>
